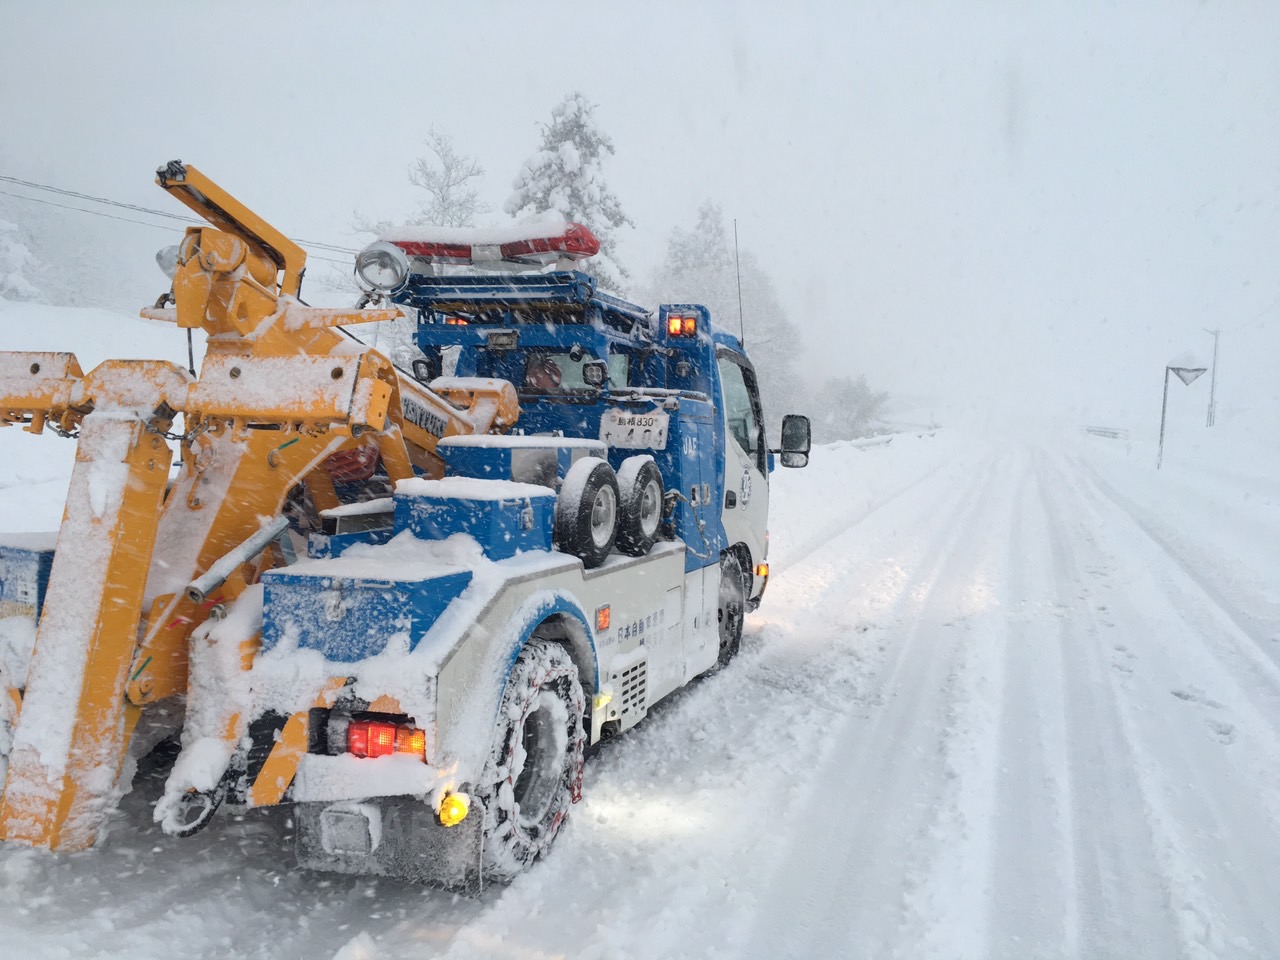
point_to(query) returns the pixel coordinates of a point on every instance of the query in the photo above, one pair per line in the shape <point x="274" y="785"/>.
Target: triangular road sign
<point x="1187" y="374"/>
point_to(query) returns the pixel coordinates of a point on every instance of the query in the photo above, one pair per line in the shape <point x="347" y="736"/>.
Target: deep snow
<point x="1004" y="698"/>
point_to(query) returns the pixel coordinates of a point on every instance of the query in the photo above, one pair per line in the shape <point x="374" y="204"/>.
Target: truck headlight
<point x="382" y="267"/>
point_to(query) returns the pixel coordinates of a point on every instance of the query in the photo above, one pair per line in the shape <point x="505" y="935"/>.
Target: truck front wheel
<point x="535" y="766"/>
<point x="731" y="607"/>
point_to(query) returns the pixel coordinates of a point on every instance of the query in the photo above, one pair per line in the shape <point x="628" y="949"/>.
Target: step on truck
<point x="405" y="602"/>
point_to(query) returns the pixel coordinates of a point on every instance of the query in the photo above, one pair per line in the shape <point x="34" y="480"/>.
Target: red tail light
<point x="353" y="466"/>
<point x="378" y="738"/>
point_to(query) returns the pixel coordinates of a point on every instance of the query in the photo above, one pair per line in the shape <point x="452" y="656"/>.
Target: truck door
<point x="746" y="474"/>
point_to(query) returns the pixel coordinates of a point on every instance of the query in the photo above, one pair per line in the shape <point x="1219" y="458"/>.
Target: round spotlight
<point x="382" y="267"/>
<point x="167" y="260"/>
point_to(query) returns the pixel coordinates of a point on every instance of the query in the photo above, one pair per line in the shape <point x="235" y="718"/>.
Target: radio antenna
<point x="737" y="266"/>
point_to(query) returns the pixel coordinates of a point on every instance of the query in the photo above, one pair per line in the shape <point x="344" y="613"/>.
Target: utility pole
<point x="1213" y="381"/>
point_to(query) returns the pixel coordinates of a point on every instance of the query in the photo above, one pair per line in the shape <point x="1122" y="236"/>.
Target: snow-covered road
<point x="1003" y="699"/>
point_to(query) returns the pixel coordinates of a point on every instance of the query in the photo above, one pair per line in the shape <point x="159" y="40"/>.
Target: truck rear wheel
<point x="732" y="606"/>
<point x="534" y="770"/>
<point x="587" y="511"/>
<point x="640" y="489"/>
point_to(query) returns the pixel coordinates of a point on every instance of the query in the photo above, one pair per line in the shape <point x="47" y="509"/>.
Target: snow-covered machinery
<point x="557" y="520"/>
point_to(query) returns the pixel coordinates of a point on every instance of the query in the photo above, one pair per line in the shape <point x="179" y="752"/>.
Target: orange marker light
<point x="690" y="326"/>
<point x="602" y="618"/>
<point x="673" y="325"/>
<point x="411" y="740"/>
<point x="762" y="569"/>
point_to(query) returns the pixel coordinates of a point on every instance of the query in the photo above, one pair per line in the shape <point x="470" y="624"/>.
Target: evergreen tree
<point x="847" y="408"/>
<point x="699" y="268"/>
<point x="565" y="176"/>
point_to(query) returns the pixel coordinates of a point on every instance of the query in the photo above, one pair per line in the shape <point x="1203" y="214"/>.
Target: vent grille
<point x="633" y="686"/>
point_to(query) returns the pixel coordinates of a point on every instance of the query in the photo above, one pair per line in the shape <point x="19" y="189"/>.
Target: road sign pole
<point x="1188" y="376"/>
<point x="1164" y="408"/>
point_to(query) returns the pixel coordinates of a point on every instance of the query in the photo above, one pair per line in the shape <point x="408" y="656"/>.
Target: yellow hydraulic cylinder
<point x="71" y="733"/>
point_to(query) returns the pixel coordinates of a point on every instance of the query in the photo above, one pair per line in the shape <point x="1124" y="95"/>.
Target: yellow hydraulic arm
<point x="281" y="389"/>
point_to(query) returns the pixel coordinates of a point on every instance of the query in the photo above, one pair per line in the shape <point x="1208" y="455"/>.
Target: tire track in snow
<point x="1247" y="624"/>
<point x="699" y="787"/>
<point x="1121" y="888"/>
<point x="1033" y="862"/>
<point x="1238" y="669"/>
<point x="853" y="880"/>
<point x="1208" y="806"/>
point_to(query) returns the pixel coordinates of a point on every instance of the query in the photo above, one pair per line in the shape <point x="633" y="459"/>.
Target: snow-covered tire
<point x="534" y="770"/>
<point x="640" y="505"/>
<point x="731" y="607"/>
<point x="587" y="511"/>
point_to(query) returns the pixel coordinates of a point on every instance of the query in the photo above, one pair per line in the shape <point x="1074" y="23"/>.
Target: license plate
<point x="634" y="431"/>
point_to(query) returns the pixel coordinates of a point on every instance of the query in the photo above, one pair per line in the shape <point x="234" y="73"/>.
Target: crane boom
<point x="281" y="390"/>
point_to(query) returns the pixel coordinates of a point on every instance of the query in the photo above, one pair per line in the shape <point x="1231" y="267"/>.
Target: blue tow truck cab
<point x="475" y="633"/>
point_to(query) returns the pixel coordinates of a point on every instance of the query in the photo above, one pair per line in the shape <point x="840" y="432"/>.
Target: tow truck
<point x="405" y="602"/>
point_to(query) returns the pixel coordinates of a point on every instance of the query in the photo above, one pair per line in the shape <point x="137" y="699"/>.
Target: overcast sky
<point x="1003" y="208"/>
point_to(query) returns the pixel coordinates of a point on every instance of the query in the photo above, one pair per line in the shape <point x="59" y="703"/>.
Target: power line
<point x="92" y="213"/>
<point x="317" y="244"/>
<point x="1265" y="310"/>
<point x="161" y="226"/>
<point x="87" y="196"/>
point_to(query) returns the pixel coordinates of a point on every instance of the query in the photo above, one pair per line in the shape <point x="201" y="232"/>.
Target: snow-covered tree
<point x="847" y="408"/>
<point x="565" y="175"/>
<point x="453" y="200"/>
<point x="448" y="178"/>
<point x="16" y="263"/>
<point x="699" y="268"/>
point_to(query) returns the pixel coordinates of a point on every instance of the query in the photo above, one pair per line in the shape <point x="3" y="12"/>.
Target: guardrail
<point x="1112" y="433"/>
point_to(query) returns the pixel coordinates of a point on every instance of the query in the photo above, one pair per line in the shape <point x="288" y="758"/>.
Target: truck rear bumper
<point x="392" y="837"/>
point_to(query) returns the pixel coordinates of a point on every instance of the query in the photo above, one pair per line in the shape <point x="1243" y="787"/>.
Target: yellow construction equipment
<point x="143" y="559"/>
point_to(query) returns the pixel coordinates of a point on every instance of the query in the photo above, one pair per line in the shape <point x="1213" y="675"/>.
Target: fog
<point x="996" y="212"/>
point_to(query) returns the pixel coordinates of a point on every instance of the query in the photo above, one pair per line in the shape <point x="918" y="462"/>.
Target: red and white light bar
<point x="576" y="242"/>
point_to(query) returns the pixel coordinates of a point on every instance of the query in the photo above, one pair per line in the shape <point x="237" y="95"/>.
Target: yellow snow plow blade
<point x="281" y="390"/>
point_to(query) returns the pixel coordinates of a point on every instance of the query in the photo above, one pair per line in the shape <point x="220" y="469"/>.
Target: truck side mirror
<point x="796" y="440"/>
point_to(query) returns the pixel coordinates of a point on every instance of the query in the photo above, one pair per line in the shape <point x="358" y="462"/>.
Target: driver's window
<point x="739" y="410"/>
